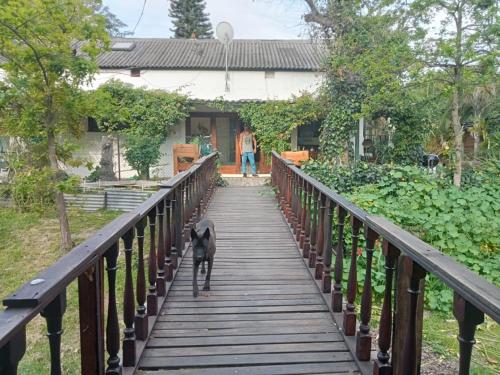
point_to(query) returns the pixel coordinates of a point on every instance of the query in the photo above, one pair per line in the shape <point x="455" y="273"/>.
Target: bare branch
<point x="35" y="52"/>
<point x="316" y="16"/>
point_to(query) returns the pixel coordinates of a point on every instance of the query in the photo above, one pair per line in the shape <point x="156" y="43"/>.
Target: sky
<point x="251" y="19"/>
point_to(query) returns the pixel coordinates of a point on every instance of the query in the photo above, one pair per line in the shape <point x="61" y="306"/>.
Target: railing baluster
<point x="352" y="283"/>
<point x="299" y="206"/>
<point x="381" y="365"/>
<point x="409" y="315"/>
<point x="327" y="256"/>
<point x="314" y="228"/>
<point x="306" y="238"/>
<point x="112" y="326"/>
<point x="12" y="353"/>
<point x="91" y="313"/>
<point x="128" y="303"/>
<point x="303" y="215"/>
<point x="152" y="297"/>
<point x="179" y="222"/>
<point x="53" y="314"/>
<point x="321" y="236"/>
<point x="187" y="208"/>
<point x="160" y="255"/>
<point x="468" y="317"/>
<point x="339" y="262"/>
<point x="141" y="319"/>
<point x="169" y="266"/>
<point x="364" y="338"/>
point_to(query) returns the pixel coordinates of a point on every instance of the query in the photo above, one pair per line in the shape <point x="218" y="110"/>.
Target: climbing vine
<point x="273" y="122"/>
<point x="144" y="117"/>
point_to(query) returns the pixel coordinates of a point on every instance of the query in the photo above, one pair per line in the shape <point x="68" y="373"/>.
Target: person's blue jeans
<point x="251" y="159"/>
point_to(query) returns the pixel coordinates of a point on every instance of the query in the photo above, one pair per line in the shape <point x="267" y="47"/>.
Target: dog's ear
<point x="207" y="233"/>
<point x="194" y="235"/>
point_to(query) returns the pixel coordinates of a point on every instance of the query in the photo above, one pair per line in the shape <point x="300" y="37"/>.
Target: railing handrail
<point x="29" y="300"/>
<point x="477" y="290"/>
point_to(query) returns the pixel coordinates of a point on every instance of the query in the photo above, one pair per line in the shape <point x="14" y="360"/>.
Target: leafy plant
<point x="34" y="189"/>
<point x="463" y="223"/>
<point x="144" y="117"/>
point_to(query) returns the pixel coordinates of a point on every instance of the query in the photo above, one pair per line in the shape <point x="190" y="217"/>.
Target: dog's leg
<point x="196" y="265"/>
<point x="203" y="267"/>
<point x="207" y="279"/>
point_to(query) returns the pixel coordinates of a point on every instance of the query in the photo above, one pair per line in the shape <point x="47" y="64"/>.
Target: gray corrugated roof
<point x="244" y="54"/>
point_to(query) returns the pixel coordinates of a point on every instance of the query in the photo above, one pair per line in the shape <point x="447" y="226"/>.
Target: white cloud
<point x="259" y="19"/>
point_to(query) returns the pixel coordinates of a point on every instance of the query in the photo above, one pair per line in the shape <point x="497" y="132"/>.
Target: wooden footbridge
<point x="279" y="302"/>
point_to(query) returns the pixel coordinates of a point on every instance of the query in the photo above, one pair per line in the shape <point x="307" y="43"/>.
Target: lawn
<point x="30" y="243"/>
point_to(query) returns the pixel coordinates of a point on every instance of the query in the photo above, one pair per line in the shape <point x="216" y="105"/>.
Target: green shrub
<point x="463" y="223"/>
<point x="34" y="189"/>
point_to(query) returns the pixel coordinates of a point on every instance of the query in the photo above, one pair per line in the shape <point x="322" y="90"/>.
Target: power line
<point x="140" y="17"/>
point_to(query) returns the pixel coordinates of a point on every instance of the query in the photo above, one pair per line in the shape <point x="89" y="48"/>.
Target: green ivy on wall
<point x="274" y="121"/>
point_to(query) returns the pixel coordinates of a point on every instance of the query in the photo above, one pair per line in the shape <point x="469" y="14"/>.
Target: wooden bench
<point x="184" y="156"/>
<point x="296" y="157"/>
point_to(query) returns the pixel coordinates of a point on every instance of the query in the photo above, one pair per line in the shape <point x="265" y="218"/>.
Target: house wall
<point x="209" y="84"/>
<point x="90" y="151"/>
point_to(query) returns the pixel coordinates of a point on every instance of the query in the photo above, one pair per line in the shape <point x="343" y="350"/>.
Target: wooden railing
<point x="168" y="214"/>
<point x="310" y="206"/>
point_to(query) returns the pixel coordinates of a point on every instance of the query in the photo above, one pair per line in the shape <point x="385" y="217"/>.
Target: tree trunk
<point x="106" y="172"/>
<point x="66" y="242"/>
<point x="458" y="138"/>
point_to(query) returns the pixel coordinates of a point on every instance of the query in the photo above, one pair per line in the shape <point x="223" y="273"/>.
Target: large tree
<point x="50" y="47"/>
<point x="464" y="49"/>
<point x="190" y="19"/>
<point x="369" y="61"/>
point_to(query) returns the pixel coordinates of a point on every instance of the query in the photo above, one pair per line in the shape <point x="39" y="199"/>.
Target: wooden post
<point x="352" y="282"/>
<point x="321" y="236"/>
<point x="468" y="317"/>
<point x="112" y="326"/>
<point x="169" y="265"/>
<point x="306" y="244"/>
<point x="327" y="256"/>
<point x="409" y="314"/>
<point x="91" y="312"/>
<point x="339" y="263"/>
<point x="53" y="314"/>
<point x="314" y="228"/>
<point x="381" y="365"/>
<point x="12" y="353"/>
<point x="128" y="303"/>
<point x="160" y="255"/>
<point x="141" y="319"/>
<point x="364" y="338"/>
<point x="179" y="221"/>
<point x="303" y="214"/>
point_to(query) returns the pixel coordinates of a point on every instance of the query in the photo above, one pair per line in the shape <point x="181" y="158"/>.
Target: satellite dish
<point x="224" y="32"/>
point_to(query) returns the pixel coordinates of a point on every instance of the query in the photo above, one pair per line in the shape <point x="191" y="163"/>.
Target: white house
<point x="258" y="70"/>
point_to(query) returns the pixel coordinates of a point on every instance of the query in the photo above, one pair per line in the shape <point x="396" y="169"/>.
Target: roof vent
<point x="123" y="46"/>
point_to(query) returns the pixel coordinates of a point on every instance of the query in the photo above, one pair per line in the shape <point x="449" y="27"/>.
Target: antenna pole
<point x="227" y="67"/>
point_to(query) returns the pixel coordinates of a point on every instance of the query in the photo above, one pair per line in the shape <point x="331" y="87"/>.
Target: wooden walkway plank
<point x="263" y="315"/>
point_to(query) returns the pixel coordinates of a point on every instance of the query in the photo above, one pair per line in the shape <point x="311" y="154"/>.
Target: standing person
<point x="248" y="147"/>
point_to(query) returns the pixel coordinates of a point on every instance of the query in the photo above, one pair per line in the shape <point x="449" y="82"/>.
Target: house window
<point x="308" y="136"/>
<point x="135" y="72"/>
<point x="269" y="74"/>
<point x="92" y="125"/>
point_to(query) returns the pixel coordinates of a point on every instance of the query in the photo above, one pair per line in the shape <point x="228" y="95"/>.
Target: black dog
<point x="203" y="245"/>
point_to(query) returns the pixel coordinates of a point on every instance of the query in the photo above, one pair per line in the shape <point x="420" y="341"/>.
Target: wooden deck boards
<point x="264" y="314"/>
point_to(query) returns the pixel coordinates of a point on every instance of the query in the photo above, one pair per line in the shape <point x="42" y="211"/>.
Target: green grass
<point x="440" y="333"/>
<point x="30" y="243"/>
